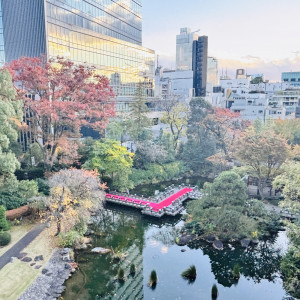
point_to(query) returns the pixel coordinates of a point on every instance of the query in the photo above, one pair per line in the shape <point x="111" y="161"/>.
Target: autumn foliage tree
<point x="73" y="195"/>
<point x="60" y="97"/>
<point x="264" y="152"/>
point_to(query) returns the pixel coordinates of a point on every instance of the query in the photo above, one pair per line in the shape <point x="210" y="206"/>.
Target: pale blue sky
<point x="260" y="35"/>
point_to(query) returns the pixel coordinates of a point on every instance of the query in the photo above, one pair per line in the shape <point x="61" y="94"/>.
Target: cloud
<point x="271" y="69"/>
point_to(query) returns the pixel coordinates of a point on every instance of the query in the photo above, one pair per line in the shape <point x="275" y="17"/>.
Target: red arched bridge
<point x="166" y="203"/>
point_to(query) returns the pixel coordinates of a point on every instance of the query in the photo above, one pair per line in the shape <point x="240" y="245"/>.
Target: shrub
<point x="214" y="292"/>
<point x="132" y="269"/>
<point x="190" y="273"/>
<point x="69" y="239"/>
<point x="153" y="279"/>
<point x="4" y="225"/>
<point x="43" y="186"/>
<point x="121" y="274"/>
<point x="5" y="238"/>
<point x="236" y="271"/>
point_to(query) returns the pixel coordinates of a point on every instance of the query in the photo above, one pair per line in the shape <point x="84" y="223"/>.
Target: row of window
<point x="103" y="23"/>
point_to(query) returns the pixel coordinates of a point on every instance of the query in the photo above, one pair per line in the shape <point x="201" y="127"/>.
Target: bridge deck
<point x="171" y="205"/>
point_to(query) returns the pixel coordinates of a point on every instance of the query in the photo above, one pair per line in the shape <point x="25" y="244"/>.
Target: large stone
<point x="21" y="255"/>
<point x="100" y="250"/>
<point x="245" y="243"/>
<point x="184" y="240"/>
<point x="39" y="258"/>
<point x="210" y="238"/>
<point x="27" y="259"/>
<point x="217" y="244"/>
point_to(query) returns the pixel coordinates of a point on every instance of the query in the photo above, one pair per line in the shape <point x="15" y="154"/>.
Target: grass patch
<point x="16" y="277"/>
<point x="17" y="232"/>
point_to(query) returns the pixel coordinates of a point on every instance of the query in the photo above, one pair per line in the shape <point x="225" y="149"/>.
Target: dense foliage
<point x="225" y="211"/>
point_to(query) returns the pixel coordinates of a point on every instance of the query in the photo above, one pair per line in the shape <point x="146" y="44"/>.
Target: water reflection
<point x="150" y="244"/>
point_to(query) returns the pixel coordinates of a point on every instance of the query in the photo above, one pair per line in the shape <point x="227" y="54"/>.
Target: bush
<point x="121" y="274"/>
<point x="214" y="292"/>
<point x="69" y="239"/>
<point x="43" y="186"/>
<point x="4" y="225"/>
<point x="190" y="273"/>
<point x="32" y="173"/>
<point x="153" y="279"/>
<point x="132" y="269"/>
<point x="5" y="238"/>
<point x="236" y="271"/>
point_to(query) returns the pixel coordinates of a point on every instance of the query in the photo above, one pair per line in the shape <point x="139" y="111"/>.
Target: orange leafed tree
<point x="60" y="97"/>
<point x="73" y="195"/>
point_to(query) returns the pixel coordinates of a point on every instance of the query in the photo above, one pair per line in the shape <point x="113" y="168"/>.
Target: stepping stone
<point x="38" y="258"/>
<point x="27" y="259"/>
<point x="32" y="264"/>
<point x="37" y="267"/>
<point x="21" y="255"/>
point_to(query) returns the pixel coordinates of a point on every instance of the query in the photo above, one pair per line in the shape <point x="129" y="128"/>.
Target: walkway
<point x="15" y="250"/>
<point x="169" y="202"/>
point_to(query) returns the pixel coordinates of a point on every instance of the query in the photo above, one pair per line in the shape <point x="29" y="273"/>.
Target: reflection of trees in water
<point x="166" y="235"/>
<point x="261" y="262"/>
<point x="121" y="231"/>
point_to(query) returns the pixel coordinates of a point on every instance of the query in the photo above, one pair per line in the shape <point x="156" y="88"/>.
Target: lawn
<point x="17" y="232"/>
<point x="16" y="277"/>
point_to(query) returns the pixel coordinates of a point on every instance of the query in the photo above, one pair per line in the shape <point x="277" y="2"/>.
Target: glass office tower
<point x="103" y="33"/>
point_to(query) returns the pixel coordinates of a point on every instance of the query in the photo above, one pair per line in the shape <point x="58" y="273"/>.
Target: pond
<point x="150" y="244"/>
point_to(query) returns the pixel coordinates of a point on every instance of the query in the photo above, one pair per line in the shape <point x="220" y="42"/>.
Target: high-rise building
<point x="103" y="33"/>
<point x="212" y="71"/>
<point x="184" y="49"/>
<point x="200" y="51"/>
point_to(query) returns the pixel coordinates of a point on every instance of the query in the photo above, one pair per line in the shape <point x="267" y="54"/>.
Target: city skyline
<point x="241" y="35"/>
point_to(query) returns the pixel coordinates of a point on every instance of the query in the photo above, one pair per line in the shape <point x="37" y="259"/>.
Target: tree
<point x="264" y="152"/>
<point x="60" y="97"/>
<point x="200" y="145"/>
<point x="176" y="117"/>
<point x="288" y="182"/>
<point x="112" y="160"/>
<point x="138" y="122"/>
<point x="73" y="195"/>
<point x="10" y="121"/>
<point x="225" y="126"/>
<point x="223" y="209"/>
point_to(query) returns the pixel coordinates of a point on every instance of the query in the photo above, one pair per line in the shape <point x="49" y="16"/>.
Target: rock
<point x="100" y="250"/>
<point x="44" y="271"/>
<point x="13" y="259"/>
<point x="37" y="267"/>
<point x="80" y="246"/>
<point x="255" y="241"/>
<point x="210" y="238"/>
<point x="89" y="232"/>
<point x="65" y="251"/>
<point x="26" y="259"/>
<point x="183" y="250"/>
<point x="32" y="264"/>
<point x="245" y="243"/>
<point x="39" y="258"/>
<point x="217" y="244"/>
<point x="184" y="239"/>
<point x="21" y="255"/>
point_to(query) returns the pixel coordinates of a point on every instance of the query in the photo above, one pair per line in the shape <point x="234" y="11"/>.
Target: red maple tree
<point x="60" y="97"/>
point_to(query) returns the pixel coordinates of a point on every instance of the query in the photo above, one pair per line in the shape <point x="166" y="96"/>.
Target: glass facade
<point x="184" y="49"/>
<point x="2" y="52"/>
<point x="103" y="33"/>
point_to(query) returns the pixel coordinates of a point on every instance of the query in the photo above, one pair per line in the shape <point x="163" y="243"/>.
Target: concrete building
<point x="212" y="72"/>
<point x="106" y="34"/>
<point x="291" y="77"/>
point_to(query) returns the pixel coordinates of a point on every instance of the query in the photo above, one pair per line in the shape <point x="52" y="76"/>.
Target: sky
<point x="261" y="36"/>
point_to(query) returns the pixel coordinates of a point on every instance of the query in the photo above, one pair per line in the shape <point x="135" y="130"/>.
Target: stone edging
<point x="49" y="284"/>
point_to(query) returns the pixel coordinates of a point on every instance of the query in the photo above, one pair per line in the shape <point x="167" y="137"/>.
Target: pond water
<point x="150" y="244"/>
